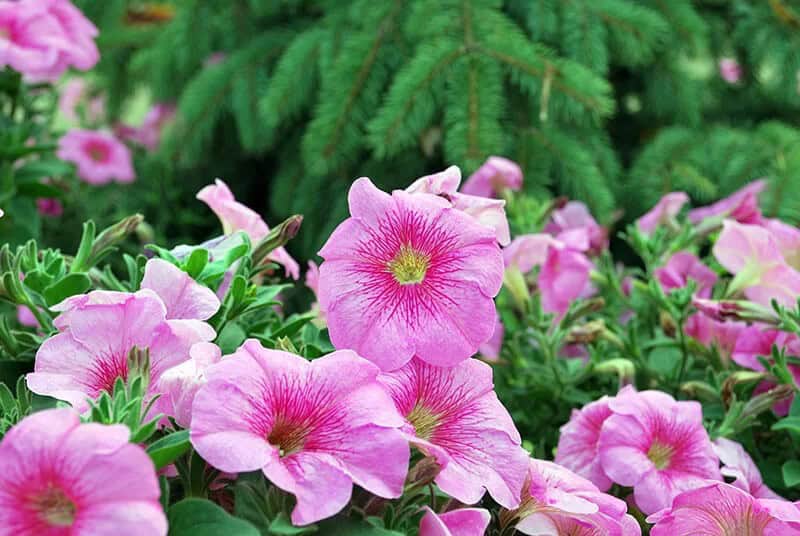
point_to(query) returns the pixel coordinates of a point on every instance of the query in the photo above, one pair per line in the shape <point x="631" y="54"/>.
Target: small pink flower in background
<point x="737" y="464"/>
<point x="215" y="59"/>
<point x="50" y="207"/>
<point x="408" y="275"/>
<point x="312" y="282"/>
<point x="179" y="385"/>
<point x="494" y="176"/>
<point x="99" y="156"/>
<point x="787" y="238"/>
<point x="752" y="255"/>
<point x="663" y="212"/>
<point x="565" y="277"/>
<point x="683" y="267"/>
<point x="528" y="251"/>
<point x="234" y="216"/>
<point x="490" y="350"/>
<point x="97" y="332"/>
<point x="741" y="205"/>
<point x="574" y="225"/>
<point x="148" y="134"/>
<point x="558" y="501"/>
<point x="75" y="96"/>
<point x="25" y="317"/>
<point x="314" y="428"/>
<point x="719" y="509"/>
<point x="490" y="213"/>
<point x="577" y="445"/>
<point x="461" y="522"/>
<point x="723" y="335"/>
<point x="730" y="70"/>
<point x="454" y="415"/>
<point x="657" y="446"/>
<point x="60" y="477"/>
<point x="183" y="297"/>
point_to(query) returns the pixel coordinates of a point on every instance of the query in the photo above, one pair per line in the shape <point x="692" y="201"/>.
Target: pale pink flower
<point x="25" y="317"/>
<point x="234" y="216"/>
<point x="663" y="212"/>
<point x="574" y="225"/>
<point x="490" y="213"/>
<point x="787" y="238"/>
<point x="558" y="501"/>
<point x="461" y="522"/>
<point x="493" y="177"/>
<point x="183" y="296"/>
<point x="313" y="428"/>
<point x="312" y="282"/>
<point x="741" y="205"/>
<point x="407" y="275"/>
<point x="657" y="446"/>
<point x="730" y="70"/>
<point x="454" y="415"/>
<point x="99" y="156"/>
<point x="751" y="254"/>
<point x="59" y="477"/>
<point x="528" y="251"/>
<point x="722" y="334"/>
<point x="148" y="134"/>
<point x="179" y="385"/>
<point x="719" y="509"/>
<point x="490" y="350"/>
<point x="75" y="97"/>
<point x="683" y="267"/>
<point x="737" y="464"/>
<point x="577" y="445"/>
<point x="564" y="278"/>
<point x="97" y="332"/>
<point x="49" y="206"/>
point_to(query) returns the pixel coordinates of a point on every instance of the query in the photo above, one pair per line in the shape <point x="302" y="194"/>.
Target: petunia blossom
<point x="663" y="212"/>
<point x="742" y="206"/>
<point x="490" y="350"/>
<point x="312" y="282"/>
<point x="578" y="443"/>
<point x="528" y="251"/>
<point x="657" y="446"/>
<point x="461" y="522"/>
<point x="59" y="477"/>
<point x="564" y="278"/>
<point x="148" y="134"/>
<point x="97" y="333"/>
<point x="751" y="254"/>
<point x="99" y="156"/>
<point x="488" y="212"/>
<point x="721" y="334"/>
<point x="76" y="102"/>
<point x="234" y="216"/>
<point x="494" y="176"/>
<point x="183" y="296"/>
<point x="575" y="226"/>
<point x="730" y="70"/>
<point x="787" y="238"/>
<point x="49" y="207"/>
<point x="683" y="267"/>
<point x="407" y="274"/>
<point x="719" y="509"/>
<point x="454" y="415"/>
<point x="737" y="464"/>
<point x="313" y="428"/>
<point x="558" y="502"/>
<point x="178" y="385"/>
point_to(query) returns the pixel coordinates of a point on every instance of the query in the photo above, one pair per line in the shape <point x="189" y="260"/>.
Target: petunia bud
<point x="277" y="237"/>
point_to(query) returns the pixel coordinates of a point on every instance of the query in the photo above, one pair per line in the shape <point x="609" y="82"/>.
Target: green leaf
<point x="792" y="424"/>
<point x="282" y="526"/>
<point x="39" y="169"/>
<point x="199" y="517"/>
<point x="196" y="262"/>
<point x="68" y="286"/>
<point x="343" y="526"/>
<point x="169" y="448"/>
<point x="791" y="473"/>
<point x="39" y="189"/>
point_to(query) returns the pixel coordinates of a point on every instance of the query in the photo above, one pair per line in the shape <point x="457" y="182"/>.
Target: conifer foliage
<point x="604" y="100"/>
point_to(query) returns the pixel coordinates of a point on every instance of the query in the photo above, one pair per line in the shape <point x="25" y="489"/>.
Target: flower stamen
<point x="424" y="421"/>
<point x="660" y="454"/>
<point x="409" y="266"/>
<point x="55" y="508"/>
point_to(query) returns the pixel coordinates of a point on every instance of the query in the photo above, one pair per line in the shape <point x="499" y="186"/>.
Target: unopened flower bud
<point x="722" y="310"/>
<point x="586" y="333"/>
<point x="277" y="237"/>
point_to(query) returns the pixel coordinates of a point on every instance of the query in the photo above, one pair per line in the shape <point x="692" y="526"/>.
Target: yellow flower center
<point x="660" y="454"/>
<point x="55" y="508"/>
<point x="424" y="421"/>
<point x="409" y="266"/>
<point x="287" y="438"/>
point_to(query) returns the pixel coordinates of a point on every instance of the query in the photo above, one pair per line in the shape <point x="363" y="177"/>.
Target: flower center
<point x="97" y="151"/>
<point x="409" y="266"/>
<point x="660" y="454"/>
<point x="55" y="508"/>
<point x="287" y="438"/>
<point x="424" y="421"/>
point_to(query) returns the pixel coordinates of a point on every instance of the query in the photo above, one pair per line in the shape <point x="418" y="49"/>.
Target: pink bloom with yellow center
<point x="737" y="464"/>
<point x="742" y="206"/>
<point x="575" y="226"/>
<point x="454" y="416"/>
<point x="578" y="443"/>
<point x="99" y="156"/>
<point x="493" y="177"/>
<point x="663" y="212"/>
<point x="719" y="509"/>
<point x="683" y="267"/>
<point x="408" y="274"/>
<point x="234" y="216"/>
<point x="59" y="477"/>
<point x="461" y="522"/>
<point x="313" y="428"/>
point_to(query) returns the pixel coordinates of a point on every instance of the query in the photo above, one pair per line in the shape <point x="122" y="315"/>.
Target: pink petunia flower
<point x="25" y="317"/>
<point x="559" y="502"/>
<point x="657" y="446"/>
<point x="50" y="207"/>
<point x="97" y="332"/>
<point x="407" y="274"/>
<point x="723" y="335"/>
<point x="99" y="156"/>
<point x="461" y="522"/>
<point x="578" y="443"/>
<point x="183" y="297"/>
<point x="234" y="216"/>
<point x="663" y="212"/>
<point x="730" y="70"/>
<point x="737" y="464"/>
<point x="490" y="213"/>
<point x="490" y="350"/>
<point x="313" y="428"/>
<point x="751" y="254"/>
<point x="742" y="206"/>
<point x="528" y="251"/>
<point x="494" y="176"/>
<point x="565" y="277"/>
<point x="148" y="134"/>
<point x="787" y="238"/>
<point x="75" y="97"/>
<point x="575" y="226"/>
<point x="719" y="509"/>
<point x="312" y="282"/>
<point x="683" y="267"/>
<point x="454" y="416"/>
<point x="60" y="477"/>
